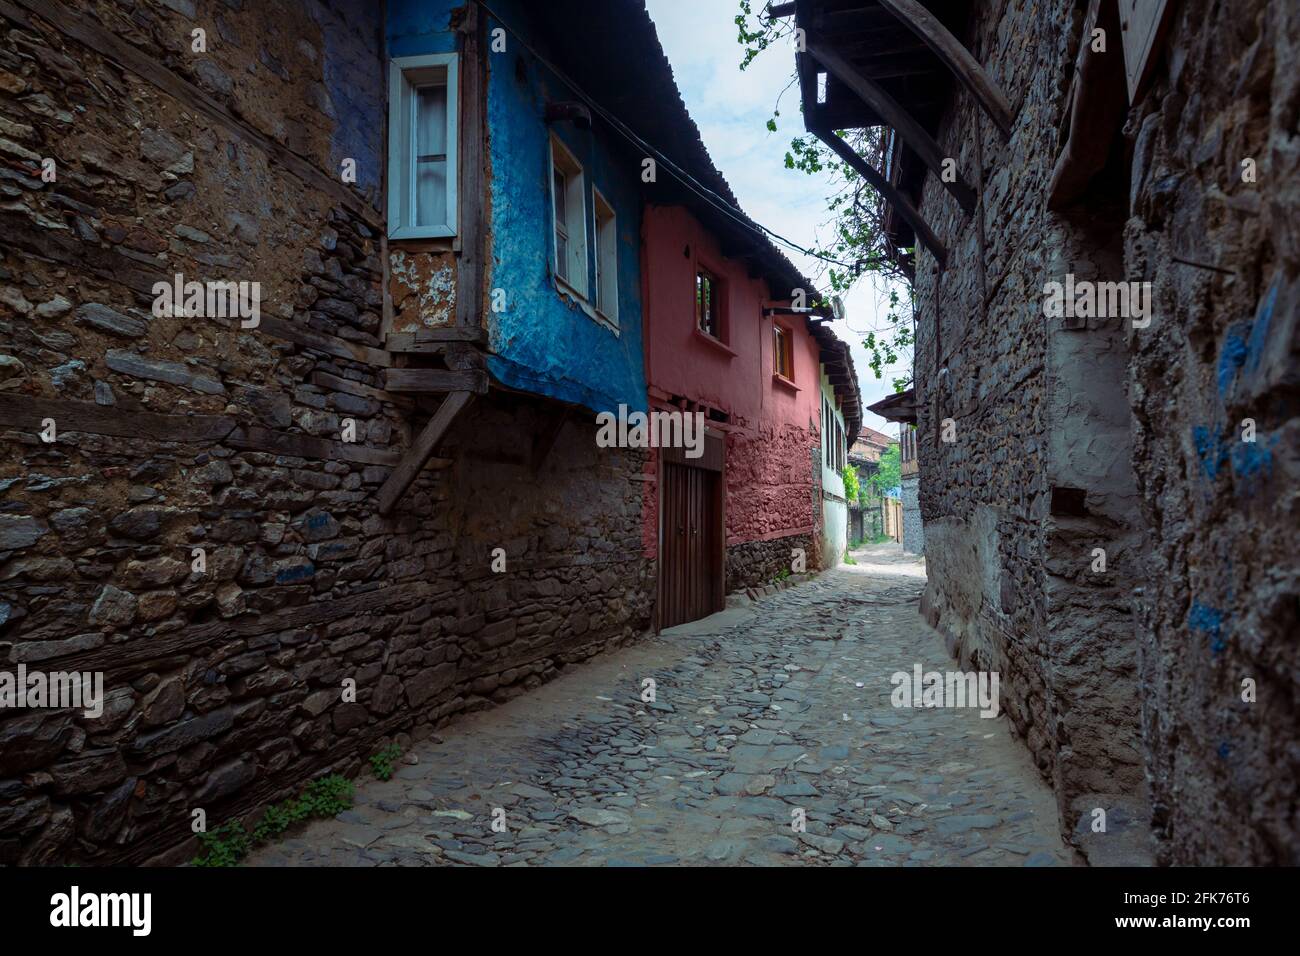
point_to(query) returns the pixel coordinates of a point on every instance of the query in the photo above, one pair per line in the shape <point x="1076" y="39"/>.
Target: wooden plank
<point x="434" y="340"/>
<point x="26" y="411"/>
<point x="924" y="234"/>
<point x="1143" y="24"/>
<point x="957" y="58"/>
<point x="891" y="112"/>
<point x="421" y="450"/>
<point x="360" y="389"/>
<point x="90" y="34"/>
<point x="321" y="342"/>
<point x="292" y="444"/>
<point x="778" y="11"/>
<point x="1097" y="110"/>
<point x="469" y="267"/>
<point x="435" y="380"/>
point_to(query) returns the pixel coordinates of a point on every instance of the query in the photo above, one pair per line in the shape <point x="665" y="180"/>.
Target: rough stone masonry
<point x="222" y="678"/>
<point x="1172" y="448"/>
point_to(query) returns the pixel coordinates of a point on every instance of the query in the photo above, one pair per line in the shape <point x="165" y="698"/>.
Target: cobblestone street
<point x="782" y="704"/>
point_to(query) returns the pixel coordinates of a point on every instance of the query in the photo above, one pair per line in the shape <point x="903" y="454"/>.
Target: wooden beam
<point x="469" y="265"/>
<point x="1097" y="112"/>
<point x="360" y="389"/>
<point x="957" y="58"/>
<point x="322" y="342"/>
<point x="408" y="380"/>
<point x="779" y="11"/>
<point x="421" y="450"/>
<point x="924" y="234"/>
<point x="24" y="411"/>
<point x="295" y="445"/>
<point x="148" y="67"/>
<point x="891" y="112"/>
<point x="434" y="340"/>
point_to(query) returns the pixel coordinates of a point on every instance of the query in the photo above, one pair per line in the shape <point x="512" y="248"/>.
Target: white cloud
<point x="731" y="109"/>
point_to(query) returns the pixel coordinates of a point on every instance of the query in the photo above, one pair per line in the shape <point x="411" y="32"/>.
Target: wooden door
<point x="691" y="557"/>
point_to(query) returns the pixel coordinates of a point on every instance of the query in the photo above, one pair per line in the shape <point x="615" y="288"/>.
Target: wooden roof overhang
<point x="899" y="407"/>
<point x="892" y="63"/>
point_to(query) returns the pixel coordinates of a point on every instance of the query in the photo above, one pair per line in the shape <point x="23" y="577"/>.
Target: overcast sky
<point x="731" y="109"/>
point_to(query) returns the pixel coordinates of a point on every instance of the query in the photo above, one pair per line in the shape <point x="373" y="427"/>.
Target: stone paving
<point x="761" y="714"/>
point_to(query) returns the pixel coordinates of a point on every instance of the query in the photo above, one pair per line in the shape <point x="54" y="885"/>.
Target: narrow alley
<point x="760" y="711"/>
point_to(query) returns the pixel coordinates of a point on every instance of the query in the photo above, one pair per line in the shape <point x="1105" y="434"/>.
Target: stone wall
<point x="181" y="437"/>
<point x="1097" y="531"/>
<point x="1220" y="588"/>
<point x="756" y="563"/>
<point x="913" y="532"/>
<point x="980" y="358"/>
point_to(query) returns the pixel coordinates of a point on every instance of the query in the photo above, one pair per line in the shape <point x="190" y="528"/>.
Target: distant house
<point x="866" y="517"/>
<point x="901" y="408"/>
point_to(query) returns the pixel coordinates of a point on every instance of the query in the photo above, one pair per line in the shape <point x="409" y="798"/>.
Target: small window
<point x="826" y="435"/>
<point x="606" y="258"/>
<point x="782" y="352"/>
<point x="422" y="122"/>
<point x="570" y="217"/>
<point x="708" y="304"/>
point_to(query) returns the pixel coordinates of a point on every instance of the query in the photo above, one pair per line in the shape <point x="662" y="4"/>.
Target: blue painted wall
<point x="354" y="88"/>
<point x="542" y="341"/>
<point x="416" y="27"/>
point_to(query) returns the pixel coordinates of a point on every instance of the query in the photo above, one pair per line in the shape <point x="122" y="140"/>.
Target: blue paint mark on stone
<point x="1225" y="750"/>
<point x="1210" y="450"/>
<point x="297" y="572"/>
<point x="1209" y="620"/>
<point x="1232" y="356"/>
<point x="1259" y="331"/>
<point x="318" y="520"/>
<point x="1253" y="460"/>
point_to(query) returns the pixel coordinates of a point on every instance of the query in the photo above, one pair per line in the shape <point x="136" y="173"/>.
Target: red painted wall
<point x="772" y="427"/>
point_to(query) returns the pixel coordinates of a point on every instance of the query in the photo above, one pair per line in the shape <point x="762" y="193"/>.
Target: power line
<point x="704" y="192"/>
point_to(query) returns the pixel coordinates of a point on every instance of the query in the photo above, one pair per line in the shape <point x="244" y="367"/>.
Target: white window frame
<point x="405" y="73"/>
<point x="606" y="235"/>
<point x="575" y="206"/>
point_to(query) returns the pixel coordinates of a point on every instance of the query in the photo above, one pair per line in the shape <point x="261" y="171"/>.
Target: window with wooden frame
<point x="422" y="143"/>
<point x="709" y="297"/>
<point x="606" y="258"/>
<point x="782" y="352"/>
<point x="569" y="215"/>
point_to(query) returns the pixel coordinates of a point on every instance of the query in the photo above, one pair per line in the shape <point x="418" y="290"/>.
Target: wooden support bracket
<point x="924" y="234"/>
<point x="892" y="113"/>
<point x="421" y="450"/>
<point x="956" y="58"/>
